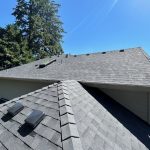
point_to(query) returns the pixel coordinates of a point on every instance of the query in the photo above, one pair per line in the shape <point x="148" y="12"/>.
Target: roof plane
<point x="128" y="67"/>
<point x="75" y="120"/>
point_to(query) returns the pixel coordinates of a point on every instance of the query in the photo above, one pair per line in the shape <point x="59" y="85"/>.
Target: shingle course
<point x="21" y="137"/>
<point x="131" y="67"/>
<point x="98" y="129"/>
<point x="76" y="123"/>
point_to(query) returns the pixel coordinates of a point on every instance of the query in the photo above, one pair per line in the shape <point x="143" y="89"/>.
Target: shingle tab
<point x="72" y="144"/>
<point x="64" y="102"/>
<point x="65" y="109"/>
<point x="69" y="130"/>
<point x="67" y="118"/>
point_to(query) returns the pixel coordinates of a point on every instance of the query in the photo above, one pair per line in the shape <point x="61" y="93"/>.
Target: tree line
<point x="36" y="33"/>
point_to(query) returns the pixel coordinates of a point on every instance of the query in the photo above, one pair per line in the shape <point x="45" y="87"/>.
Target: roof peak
<point x="106" y="51"/>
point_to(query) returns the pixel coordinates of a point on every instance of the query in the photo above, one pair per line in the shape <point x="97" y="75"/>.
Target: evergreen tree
<point x="39" y="22"/>
<point x="21" y="15"/>
<point x="37" y="33"/>
<point x="13" y="50"/>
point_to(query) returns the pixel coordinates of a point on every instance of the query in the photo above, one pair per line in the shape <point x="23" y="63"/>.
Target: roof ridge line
<point x="107" y="51"/>
<point x="145" y="54"/>
<point x="70" y="136"/>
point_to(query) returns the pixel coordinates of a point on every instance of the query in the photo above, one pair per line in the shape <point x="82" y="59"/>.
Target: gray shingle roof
<point x="131" y="67"/>
<point x="75" y="120"/>
<point x="98" y="128"/>
<point x="47" y="135"/>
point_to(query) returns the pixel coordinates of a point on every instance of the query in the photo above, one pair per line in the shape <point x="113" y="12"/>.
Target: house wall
<point x="137" y="102"/>
<point x="10" y="89"/>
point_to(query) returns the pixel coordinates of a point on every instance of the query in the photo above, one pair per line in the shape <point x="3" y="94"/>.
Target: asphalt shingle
<point x="131" y="67"/>
<point x="98" y="128"/>
<point x="20" y="136"/>
<point x="74" y="121"/>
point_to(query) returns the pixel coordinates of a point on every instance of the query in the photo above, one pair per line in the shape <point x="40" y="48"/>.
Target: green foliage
<point x="37" y="33"/>
<point x="40" y="24"/>
<point x="13" y="50"/>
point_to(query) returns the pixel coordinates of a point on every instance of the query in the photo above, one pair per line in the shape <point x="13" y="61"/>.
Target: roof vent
<point x="75" y="55"/>
<point x="15" y="109"/>
<point x="3" y="100"/>
<point x="46" y="64"/>
<point x="122" y="50"/>
<point x="66" y="55"/>
<point x="103" y="52"/>
<point x="35" y="118"/>
<point x="87" y="54"/>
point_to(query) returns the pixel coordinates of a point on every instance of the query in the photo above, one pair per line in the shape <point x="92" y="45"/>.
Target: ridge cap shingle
<point x="70" y="135"/>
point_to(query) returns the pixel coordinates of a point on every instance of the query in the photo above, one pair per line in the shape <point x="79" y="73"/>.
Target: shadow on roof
<point x="134" y="124"/>
<point x="25" y="130"/>
<point x="7" y="117"/>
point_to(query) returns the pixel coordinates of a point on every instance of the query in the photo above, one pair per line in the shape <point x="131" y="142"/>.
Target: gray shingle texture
<point x="89" y="127"/>
<point x="14" y="135"/>
<point x="98" y="128"/>
<point x="131" y="67"/>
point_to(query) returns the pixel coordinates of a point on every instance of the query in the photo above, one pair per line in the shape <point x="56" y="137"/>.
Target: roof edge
<point x="145" y="54"/>
<point x="89" y="83"/>
<point x="105" y="50"/>
<point x="116" y="85"/>
<point x="51" y="81"/>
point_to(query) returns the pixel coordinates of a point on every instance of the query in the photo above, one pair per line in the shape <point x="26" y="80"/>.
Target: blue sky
<point x="97" y="25"/>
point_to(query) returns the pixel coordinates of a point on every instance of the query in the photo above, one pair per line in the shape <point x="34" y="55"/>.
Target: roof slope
<point x="131" y="67"/>
<point x="75" y="120"/>
<point x="47" y="135"/>
<point x="98" y="128"/>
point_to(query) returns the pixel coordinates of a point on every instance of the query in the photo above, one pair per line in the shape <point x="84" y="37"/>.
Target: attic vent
<point x="67" y="56"/>
<point x="75" y="55"/>
<point x="35" y="118"/>
<point x="122" y="50"/>
<point x="3" y="100"/>
<point x="103" y="52"/>
<point x="87" y="54"/>
<point x="15" y="109"/>
<point x="46" y="64"/>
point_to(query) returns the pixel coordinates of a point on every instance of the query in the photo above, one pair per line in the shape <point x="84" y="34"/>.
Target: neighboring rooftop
<point x="76" y="119"/>
<point x="125" y="67"/>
